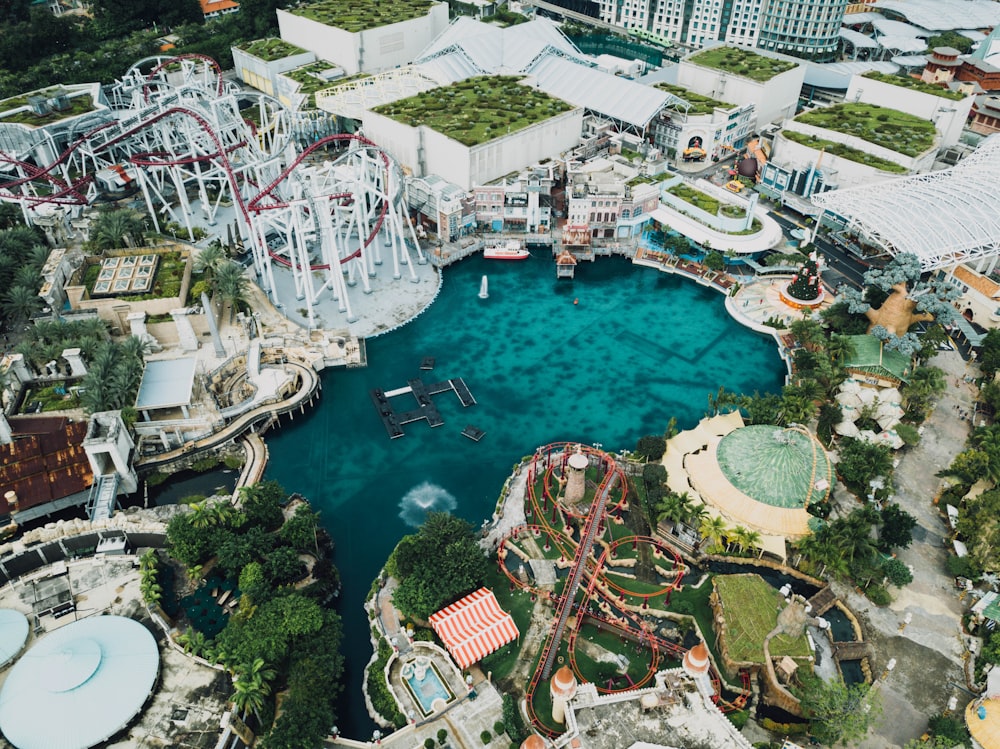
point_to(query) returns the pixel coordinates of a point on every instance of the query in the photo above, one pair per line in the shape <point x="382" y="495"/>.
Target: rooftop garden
<point x="271" y="49"/>
<point x="80" y="104"/>
<point x="710" y="205"/>
<point x="310" y="79"/>
<point x="699" y="104"/>
<point x="362" y="15"/>
<point x="898" y="131"/>
<point x="915" y="84"/>
<point x="476" y="110"/>
<point x="846" y="152"/>
<point x="742" y="62"/>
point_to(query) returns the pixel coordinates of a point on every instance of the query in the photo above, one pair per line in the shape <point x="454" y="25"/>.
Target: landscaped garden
<point x="699" y="104"/>
<point x="915" y="84"/>
<point x="712" y="206"/>
<point x="361" y="15"/>
<point x="839" y="149"/>
<point x="751" y="608"/>
<point x="898" y="131"/>
<point x="271" y="49"/>
<point x="742" y="62"/>
<point x="54" y="397"/>
<point x="476" y="110"/>
<point x="310" y="79"/>
<point x="77" y="105"/>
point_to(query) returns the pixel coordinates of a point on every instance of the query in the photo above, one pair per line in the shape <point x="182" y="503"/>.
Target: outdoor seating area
<point x="209" y="606"/>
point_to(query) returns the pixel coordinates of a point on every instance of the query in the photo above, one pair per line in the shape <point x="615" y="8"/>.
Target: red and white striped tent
<point x="473" y="627"/>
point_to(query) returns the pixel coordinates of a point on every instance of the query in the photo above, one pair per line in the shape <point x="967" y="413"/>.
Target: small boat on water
<point x="509" y="250"/>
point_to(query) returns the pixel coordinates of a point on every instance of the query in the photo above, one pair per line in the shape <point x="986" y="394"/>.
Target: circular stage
<point x="80" y="685"/>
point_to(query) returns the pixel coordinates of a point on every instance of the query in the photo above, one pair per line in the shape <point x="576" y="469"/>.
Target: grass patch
<point x="712" y="206"/>
<point x="77" y="105"/>
<point x="55" y="397"/>
<point x="699" y="104"/>
<point x="914" y="84"/>
<point x="271" y="49"/>
<point x="846" y="152"/>
<point x="751" y="607"/>
<point x="742" y="62"/>
<point x="476" y="110"/>
<point x="362" y="15"/>
<point x="898" y="131"/>
<point x="520" y="606"/>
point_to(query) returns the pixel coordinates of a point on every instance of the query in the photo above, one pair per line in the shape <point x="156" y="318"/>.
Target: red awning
<point x="474" y="627"/>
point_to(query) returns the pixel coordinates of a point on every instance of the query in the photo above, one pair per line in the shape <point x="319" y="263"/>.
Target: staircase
<point x="103" y="497"/>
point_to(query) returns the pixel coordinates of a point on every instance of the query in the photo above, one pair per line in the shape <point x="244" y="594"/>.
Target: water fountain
<point x="484" y="289"/>
<point x="424" y="498"/>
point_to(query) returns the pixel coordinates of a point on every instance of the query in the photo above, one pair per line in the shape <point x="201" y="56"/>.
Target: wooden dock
<point x="473" y="433"/>
<point x="393" y="420"/>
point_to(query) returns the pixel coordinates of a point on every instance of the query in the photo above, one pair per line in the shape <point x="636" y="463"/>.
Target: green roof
<point x="742" y="62"/>
<point x="916" y="84"/>
<point x="898" y="131"/>
<point x="774" y="465"/>
<point x="751" y="607"/>
<point x="476" y="110"/>
<point x="844" y="151"/>
<point x="362" y="15"/>
<point x="699" y="104"/>
<point x="271" y="49"/>
<point x="868" y="355"/>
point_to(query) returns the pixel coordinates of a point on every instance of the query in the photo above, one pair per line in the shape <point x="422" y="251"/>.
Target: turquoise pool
<point x="639" y="347"/>
<point x="426" y="686"/>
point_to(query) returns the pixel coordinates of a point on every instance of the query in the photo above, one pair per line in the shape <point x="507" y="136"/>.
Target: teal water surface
<point x="637" y="347"/>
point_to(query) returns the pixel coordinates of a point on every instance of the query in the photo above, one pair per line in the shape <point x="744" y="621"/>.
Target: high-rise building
<point x="804" y="28"/>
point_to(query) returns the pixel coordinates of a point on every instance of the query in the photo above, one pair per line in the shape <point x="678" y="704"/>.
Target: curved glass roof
<point x="945" y="217"/>
<point x="774" y="465"/>
<point x="13" y="634"/>
<point x="80" y="684"/>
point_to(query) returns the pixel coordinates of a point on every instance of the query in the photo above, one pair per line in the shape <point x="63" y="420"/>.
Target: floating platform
<point x="427" y="363"/>
<point x="393" y="420"/>
<point x="473" y="433"/>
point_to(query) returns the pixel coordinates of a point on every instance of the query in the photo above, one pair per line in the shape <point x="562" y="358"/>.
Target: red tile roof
<point x="46" y="461"/>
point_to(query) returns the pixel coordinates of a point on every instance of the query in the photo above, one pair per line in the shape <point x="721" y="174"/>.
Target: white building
<point x="775" y="97"/>
<point x="715" y="128"/>
<point x="948" y="111"/>
<point x="260" y="62"/>
<point x="362" y="42"/>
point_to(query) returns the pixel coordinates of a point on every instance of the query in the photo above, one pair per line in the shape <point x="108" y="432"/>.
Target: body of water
<point x="605" y="358"/>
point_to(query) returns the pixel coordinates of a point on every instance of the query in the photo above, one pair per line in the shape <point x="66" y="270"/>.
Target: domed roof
<point x="13" y="634"/>
<point x="696" y="660"/>
<point x="534" y="741"/>
<point x="564" y="682"/>
<point x="781" y="467"/>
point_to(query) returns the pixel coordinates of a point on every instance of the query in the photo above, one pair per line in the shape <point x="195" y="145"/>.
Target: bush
<point x="234" y="461"/>
<point x="442" y="736"/>
<point x="499" y="728"/>
<point x="486" y="737"/>
<point x="878" y="595"/>
<point x="959" y="566"/>
<point x="428" y="743"/>
<point x="738" y="718"/>
<point x="948" y="727"/>
<point x="908" y="433"/>
<point x="786" y="729"/>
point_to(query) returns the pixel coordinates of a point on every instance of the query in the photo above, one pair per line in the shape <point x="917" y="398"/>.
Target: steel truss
<point x="197" y="144"/>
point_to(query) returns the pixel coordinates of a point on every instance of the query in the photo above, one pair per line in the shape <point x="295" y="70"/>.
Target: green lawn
<point x="751" y="607"/>
<point x="898" y="131"/>
<point x="742" y="62"/>
<point x="519" y="605"/>
<point x="476" y="110"/>
<point x="915" y="84"/>
<point x="699" y="104"/>
<point x="839" y="149"/>
<point x="362" y="15"/>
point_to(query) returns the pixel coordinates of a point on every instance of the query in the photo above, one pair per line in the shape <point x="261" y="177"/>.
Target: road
<point x="843" y="267"/>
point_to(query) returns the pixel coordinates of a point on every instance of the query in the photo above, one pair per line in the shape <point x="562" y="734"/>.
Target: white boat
<point x="510" y="250"/>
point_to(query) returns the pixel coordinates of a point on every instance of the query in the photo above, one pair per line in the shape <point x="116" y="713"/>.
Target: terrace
<point x="889" y="128"/>
<point x="742" y="62"/>
<point x="846" y="152"/>
<point x="310" y="79"/>
<point x="362" y="15"/>
<point x="476" y="110"/>
<point x="19" y="113"/>
<point x="271" y="49"/>
<point x="914" y="84"/>
<point x="699" y="104"/>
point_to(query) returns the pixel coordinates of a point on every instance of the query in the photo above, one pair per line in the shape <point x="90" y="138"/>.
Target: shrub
<point x="908" y="433"/>
<point x="486" y="737"/>
<point x="878" y="595"/>
<point x="205" y="464"/>
<point x="959" y="566"/>
<point x="442" y="736"/>
<point x="498" y="727"/>
<point x="234" y="461"/>
<point x="428" y="743"/>
<point x="738" y="718"/>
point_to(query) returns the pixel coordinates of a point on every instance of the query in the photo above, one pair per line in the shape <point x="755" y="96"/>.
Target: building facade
<point x="803" y="28"/>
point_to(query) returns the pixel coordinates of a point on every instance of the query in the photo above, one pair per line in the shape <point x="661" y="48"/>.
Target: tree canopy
<point x="437" y="565"/>
<point x="840" y="713"/>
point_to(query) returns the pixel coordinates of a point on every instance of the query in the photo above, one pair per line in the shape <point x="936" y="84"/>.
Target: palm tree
<point x="252" y="685"/>
<point x="673" y="507"/>
<point x="752" y="540"/>
<point x="696" y="515"/>
<point x="27" y="276"/>
<point x="202" y="515"/>
<point x="739" y="537"/>
<point x="210" y="259"/>
<point x="231" y="285"/>
<point x="20" y="303"/>
<point x="115" y="229"/>
<point x="839" y="348"/>
<point x="713" y="530"/>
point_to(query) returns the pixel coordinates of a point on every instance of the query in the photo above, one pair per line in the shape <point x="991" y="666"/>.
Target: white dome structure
<point x="80" y="685"/>
<point x="13" y="634"/>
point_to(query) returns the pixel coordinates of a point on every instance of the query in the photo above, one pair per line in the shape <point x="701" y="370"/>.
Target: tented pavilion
<point x="166" y="383"/>
<point x="945" y="217"/>
<point x="759" y="477"/>
<point x="473" y="627"/>
<point x="79" y="685"/>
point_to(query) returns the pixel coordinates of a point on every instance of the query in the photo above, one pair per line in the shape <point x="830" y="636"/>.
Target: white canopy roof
<point x="901" y="43"/>
<point x="945" y="15"/>
<point x="857" y="39"/>
<point x="946" y="217"/>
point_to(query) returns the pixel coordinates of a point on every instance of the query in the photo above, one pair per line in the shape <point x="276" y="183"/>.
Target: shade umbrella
<point x="867" y="435"/>
<point x="868" y="396"/>
<point x="887" y="421"/>
<point x="891" y="439"/>
<point x="850" y="386"/>
<point x="849" y="400"/>
<point x="846" y="429"/>
<point x="890" y="395"/>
